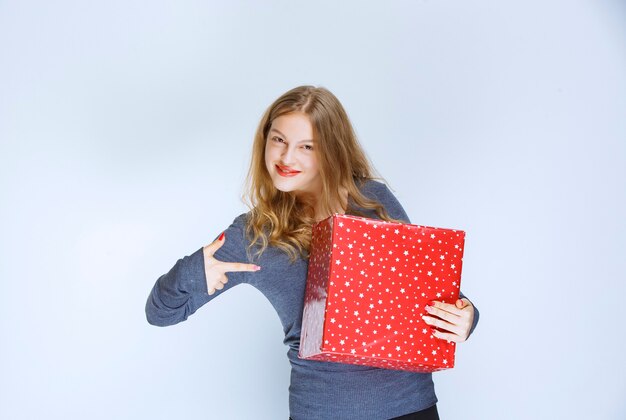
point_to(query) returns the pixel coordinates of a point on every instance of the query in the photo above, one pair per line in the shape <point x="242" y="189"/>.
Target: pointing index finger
<point x="234" y="266"/>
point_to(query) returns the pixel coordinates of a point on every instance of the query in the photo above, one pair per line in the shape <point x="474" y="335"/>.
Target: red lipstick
<point x="286" y="171"/>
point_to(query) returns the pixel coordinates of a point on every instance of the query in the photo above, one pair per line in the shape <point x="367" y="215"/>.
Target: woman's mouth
<point x="286" y="171"/>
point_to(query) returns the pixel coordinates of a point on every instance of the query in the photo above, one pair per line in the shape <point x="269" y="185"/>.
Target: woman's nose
<point x="287" y="156"/>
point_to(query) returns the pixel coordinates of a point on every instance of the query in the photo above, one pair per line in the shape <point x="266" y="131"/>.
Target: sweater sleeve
<point x="179" y="293"/>
<point x="395" y="210"/>
<point x="385" y="197"/>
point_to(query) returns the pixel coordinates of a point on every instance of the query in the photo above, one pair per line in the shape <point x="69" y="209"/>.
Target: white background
<point x="125" y="134"/>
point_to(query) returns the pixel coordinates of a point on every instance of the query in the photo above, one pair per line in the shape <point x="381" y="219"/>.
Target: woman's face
<point x="290" y="156"/>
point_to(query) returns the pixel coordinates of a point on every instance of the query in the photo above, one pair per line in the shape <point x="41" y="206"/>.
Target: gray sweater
<point x="318" y="390"/>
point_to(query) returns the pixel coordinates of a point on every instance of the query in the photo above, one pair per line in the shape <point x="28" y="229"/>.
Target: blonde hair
<point x="282" y="219"/>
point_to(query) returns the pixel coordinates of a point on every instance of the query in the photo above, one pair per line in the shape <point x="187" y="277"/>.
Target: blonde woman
<point x="306" y="165"/>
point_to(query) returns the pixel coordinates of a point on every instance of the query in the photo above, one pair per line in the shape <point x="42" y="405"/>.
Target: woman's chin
<point x="290" y="189"/>
<point x="284" y="188"/>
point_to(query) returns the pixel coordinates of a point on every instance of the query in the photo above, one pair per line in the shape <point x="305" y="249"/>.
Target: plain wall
<point x="125" y="133"/>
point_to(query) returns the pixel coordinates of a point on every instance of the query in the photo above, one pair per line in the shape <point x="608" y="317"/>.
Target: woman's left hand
<point x="455" y="320"/>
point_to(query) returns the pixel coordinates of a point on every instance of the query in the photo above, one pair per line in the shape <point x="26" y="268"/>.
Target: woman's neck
<point x="340" y="208"/>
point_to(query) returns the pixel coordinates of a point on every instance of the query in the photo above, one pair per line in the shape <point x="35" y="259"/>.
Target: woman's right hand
<point x="215" y="271"/>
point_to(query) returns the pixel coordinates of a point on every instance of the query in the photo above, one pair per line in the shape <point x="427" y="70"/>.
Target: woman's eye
<point x="308" y="147"/>
<point x="278" y="139"/>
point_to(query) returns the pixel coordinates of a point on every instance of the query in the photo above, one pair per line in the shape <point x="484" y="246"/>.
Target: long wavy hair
<point x="284" y="220"/>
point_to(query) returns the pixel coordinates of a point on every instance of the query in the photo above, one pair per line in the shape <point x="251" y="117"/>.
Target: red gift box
<point x="367" y="287"/>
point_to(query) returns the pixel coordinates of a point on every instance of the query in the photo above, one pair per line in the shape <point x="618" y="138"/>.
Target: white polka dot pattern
<point x="367" y="286"/>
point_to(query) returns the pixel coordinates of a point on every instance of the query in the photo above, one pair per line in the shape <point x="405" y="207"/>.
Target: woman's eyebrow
<point x="301" y="141"/>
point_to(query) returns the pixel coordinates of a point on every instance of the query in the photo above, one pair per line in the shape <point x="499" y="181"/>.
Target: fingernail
<point x="426" y="318"/>
<point x="428" y="308"/>
<point x="222" y="236"/>
<point x="257" y="268"/>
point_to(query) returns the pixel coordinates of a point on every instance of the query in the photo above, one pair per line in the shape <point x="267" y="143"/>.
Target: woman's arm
<point x="182" y="290"/>
<point x="177" y="294"/>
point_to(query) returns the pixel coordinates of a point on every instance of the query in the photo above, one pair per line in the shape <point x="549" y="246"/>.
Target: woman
<point x="306" y="165"/>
